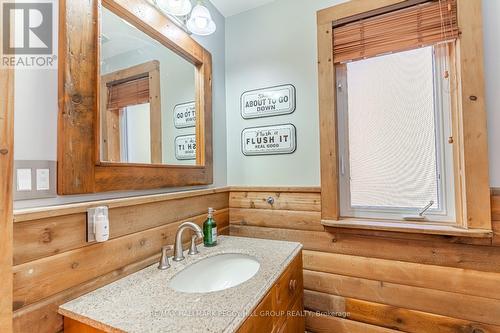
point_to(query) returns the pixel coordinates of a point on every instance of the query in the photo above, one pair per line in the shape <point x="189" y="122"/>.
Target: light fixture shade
<point x="200" y="22"/>
<point x="175" y="7"/>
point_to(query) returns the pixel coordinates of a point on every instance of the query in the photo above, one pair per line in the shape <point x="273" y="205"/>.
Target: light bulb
<point x="200" y="21"/>
<point x="175" y="7"/>
<point x="176" y="4"/>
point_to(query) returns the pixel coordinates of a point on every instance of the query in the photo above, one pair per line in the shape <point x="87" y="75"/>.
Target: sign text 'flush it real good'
<point x="269" y="140"/>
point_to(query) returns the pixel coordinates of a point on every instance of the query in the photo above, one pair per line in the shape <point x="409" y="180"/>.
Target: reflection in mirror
<point x="148" y="113"/>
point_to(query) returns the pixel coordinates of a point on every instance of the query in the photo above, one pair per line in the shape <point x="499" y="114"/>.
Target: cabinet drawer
<point x="291" y="285"/>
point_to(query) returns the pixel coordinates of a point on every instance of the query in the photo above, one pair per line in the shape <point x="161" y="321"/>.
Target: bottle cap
<point x="211" y="211"/>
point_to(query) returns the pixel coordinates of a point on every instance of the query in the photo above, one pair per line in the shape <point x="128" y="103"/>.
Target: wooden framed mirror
<point x="135" y="100"/>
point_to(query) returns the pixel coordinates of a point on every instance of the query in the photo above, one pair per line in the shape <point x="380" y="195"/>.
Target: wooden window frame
<point x="110" y="141"/>
<point x="80" y="169"/>
<point x="472" y="191"/>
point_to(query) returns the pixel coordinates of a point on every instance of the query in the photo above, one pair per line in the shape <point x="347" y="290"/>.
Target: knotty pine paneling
<point x="473" y="308"/>
<point x="476" y="257"/>
<point x="389" y="316"/>
<point x="327" y="324"/>
<point x="457" y="280"/>
<point x="282" y="200"/>
<point x="54" y="264"/>
<point x="273" y="218"/>
<point x="39" y="238"/>
<point x="41" y="278"/>
<point x="385" y="281"/>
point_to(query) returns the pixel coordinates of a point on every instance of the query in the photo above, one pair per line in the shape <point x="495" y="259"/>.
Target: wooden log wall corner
<point x="374" y="281"/>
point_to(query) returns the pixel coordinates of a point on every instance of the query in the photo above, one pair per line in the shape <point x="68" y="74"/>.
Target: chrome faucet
<point x="178" y="255"/>
<point x="164" y="264"/>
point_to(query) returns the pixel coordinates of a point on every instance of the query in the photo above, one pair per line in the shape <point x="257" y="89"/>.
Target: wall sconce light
<point x="175" y="7"/>
<point x="200" y="22"/>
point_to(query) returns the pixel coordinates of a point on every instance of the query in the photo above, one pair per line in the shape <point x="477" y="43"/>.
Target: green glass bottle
<point x="210" y="230"/>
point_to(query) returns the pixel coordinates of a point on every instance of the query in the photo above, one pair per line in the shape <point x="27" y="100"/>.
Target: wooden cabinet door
<point x="295" y="320"/>
<point x="290" y="286"/>
<point x="284" y="304"/>
<point x="258" y="320"/>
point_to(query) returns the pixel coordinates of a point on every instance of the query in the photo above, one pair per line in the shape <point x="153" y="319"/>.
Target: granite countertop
<point x="142" y="302"/>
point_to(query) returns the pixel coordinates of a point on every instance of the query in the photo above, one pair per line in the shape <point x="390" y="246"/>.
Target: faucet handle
<point x="193" y="249"/>
<point x="164" y="263"/>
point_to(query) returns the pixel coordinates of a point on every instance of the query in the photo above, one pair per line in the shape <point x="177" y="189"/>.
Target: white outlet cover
<point x="23" y="179"/>
<point x="42" y="179"/>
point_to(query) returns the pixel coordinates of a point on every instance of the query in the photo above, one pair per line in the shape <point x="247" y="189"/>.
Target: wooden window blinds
<point x="127" y="93"/>
<point x="413" y="27"/>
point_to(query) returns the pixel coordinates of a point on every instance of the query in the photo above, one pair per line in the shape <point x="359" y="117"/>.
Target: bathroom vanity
<point x="241" y="285"/>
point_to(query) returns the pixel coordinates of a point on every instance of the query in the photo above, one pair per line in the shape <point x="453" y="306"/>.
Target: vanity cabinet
<point x="281" y="310"/>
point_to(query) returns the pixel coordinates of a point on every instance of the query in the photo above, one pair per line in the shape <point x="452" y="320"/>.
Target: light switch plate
<point x="23" y="178"/>
<point x="34" y="179"/>
<point x="42" y="179"/>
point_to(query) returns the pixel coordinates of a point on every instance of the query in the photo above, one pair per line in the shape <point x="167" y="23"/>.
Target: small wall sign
<point x="185" y="115"/>
<point x="268" y="102"/>
<point x="269" y="140"/>
<point x="185" y="147"/>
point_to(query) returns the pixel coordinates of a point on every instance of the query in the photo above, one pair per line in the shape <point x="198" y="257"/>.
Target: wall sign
<point x="269" y="140"/>
<point x="185" y="115"/>
<point x="185" y="147"/>
<point x="268" y="102"/>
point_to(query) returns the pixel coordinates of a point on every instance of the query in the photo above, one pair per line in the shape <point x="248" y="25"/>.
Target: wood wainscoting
<point x="53" y="263"/>
<point x="378" y="281"/>
<point x="354" y="280"/>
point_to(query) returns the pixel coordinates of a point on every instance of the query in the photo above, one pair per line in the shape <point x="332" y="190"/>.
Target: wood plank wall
<point x="360" y="281"/>
<point x="366" y="281"/>
<point x="53" y="263"/>
<point x="6" y="193"/>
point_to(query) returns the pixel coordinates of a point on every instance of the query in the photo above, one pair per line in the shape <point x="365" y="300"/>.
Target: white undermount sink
<point x="215" y="273"/>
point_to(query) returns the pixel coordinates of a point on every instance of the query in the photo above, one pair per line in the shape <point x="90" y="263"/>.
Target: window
<point x="394" y="123"/>
<point x="135" y="133"/>
<point x="131" y="124"/>
<point x="402" y="117"/>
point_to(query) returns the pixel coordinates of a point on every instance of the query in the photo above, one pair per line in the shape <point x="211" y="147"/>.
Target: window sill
<point x="407" y="227"/>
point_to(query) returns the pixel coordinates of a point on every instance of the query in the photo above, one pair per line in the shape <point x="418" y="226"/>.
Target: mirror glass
<point x="147" y="98"/>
